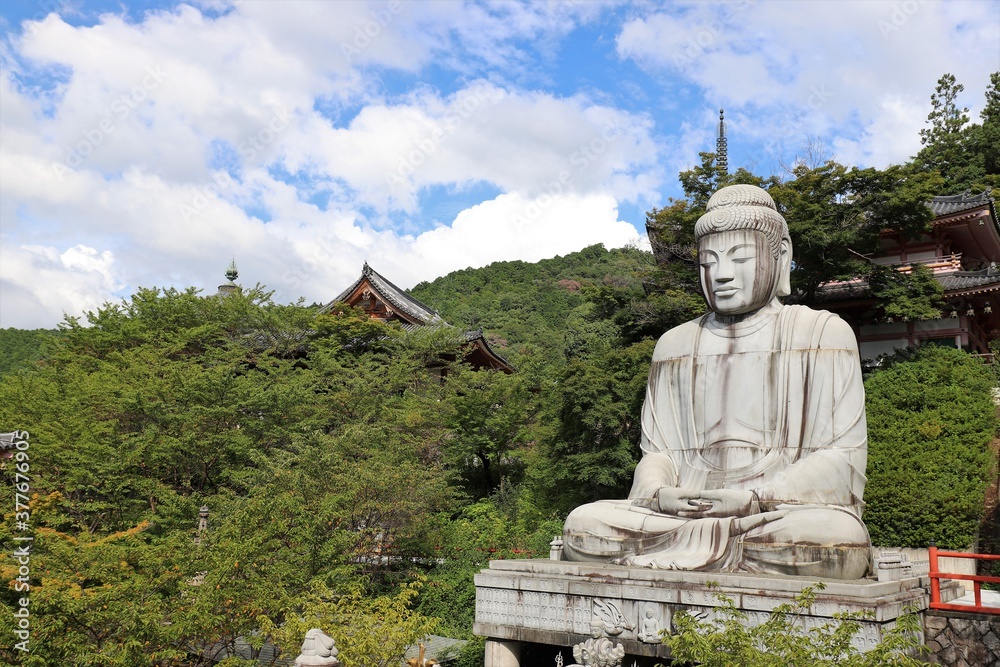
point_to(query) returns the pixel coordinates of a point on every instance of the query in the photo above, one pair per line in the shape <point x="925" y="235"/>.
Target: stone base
<point x="553" y="602"/>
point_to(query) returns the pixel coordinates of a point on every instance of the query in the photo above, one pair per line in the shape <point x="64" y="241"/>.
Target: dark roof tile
<point x="951" y="282"/>
<point x="946" y="205"/>
<point x="391" y="293"/>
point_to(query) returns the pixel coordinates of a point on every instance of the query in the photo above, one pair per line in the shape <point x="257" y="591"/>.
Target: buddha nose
<point x="724" y="272"/>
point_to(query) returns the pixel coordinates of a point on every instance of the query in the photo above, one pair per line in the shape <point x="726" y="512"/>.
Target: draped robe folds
<point x="803" y="446"/>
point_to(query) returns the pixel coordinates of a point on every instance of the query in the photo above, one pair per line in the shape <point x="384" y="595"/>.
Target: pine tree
<point x="966" y="155"/>
<point x="990" y="133"/>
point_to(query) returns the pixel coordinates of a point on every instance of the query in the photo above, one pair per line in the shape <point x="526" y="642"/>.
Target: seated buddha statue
<point x="754" y="440"/>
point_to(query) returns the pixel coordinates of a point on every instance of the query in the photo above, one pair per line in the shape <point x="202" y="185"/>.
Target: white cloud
<point x="516" y="141"/>
<point x="822" y="68"/>
<point x="39" y="282"/>
<point x="118" y="175"/>
<point x="526" y="228"/>
<point x="148" y="152"/>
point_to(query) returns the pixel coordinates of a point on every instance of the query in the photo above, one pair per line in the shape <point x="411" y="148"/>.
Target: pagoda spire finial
<point x="231" y="273"/>
<point x="230" y="285"/>
<point x="721" y="148"/>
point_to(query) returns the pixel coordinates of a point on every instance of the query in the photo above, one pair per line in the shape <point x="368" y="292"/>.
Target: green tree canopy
<point x="966" y="155"/>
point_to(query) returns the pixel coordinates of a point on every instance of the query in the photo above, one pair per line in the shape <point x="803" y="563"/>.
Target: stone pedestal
<point x="553" y="602"/>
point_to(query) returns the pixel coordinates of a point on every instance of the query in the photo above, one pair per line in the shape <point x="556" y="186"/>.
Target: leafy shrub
<point x="783" y="640"/>
<point x="930" y="420"/>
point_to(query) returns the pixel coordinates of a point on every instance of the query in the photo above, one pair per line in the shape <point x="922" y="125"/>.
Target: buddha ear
<point x="785" y="268"/>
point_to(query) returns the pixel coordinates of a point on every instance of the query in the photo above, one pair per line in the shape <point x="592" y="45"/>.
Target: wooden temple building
<point x="384" y="301"/>
<point x="962" y="249"/>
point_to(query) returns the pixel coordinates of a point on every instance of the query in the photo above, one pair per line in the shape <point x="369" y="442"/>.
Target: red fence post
<point x="933" y="567"/>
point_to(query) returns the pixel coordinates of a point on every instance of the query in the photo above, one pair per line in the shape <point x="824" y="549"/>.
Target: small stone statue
<point x="598" y="651"/>
<point x="318" y="650"/>
<point x="649" y="632"/>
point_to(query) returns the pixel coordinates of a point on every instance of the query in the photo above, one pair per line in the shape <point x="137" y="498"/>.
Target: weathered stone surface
<point x="934" y="624"/>
<point x="554" y="602"/>
<point x="991" y="642"/>
<point x="971" y="639"/>
<point x="318" y="650"/>
<point x="754" y="435"/>
<point x="502" y="653"/>
<point x="977" y="654"/>
<point x="947" y="656"/>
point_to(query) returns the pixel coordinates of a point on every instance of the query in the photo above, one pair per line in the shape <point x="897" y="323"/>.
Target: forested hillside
<point x="529" y="308"/>
<point x="348" y="488"/>
<point x="20" y="348"/>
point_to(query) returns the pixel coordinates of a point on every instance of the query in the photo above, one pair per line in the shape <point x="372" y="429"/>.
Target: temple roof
<point x="390" y="293"/>
<point x="986" y="280"/>
<point x="479" y="352"/>
<point x="412" y="314"/>
<point x="948" y="204"/>
<point x="966" y="280"/>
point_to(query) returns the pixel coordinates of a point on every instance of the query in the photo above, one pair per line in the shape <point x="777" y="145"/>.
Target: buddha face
<point x="738" y="273"/>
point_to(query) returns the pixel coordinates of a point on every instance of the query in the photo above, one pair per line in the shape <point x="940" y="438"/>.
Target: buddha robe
<point x="774" y="405"/>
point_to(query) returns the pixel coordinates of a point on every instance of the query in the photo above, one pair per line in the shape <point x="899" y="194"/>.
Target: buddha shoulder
<point x="811" y="328"/>
<point x="677" y="342"/>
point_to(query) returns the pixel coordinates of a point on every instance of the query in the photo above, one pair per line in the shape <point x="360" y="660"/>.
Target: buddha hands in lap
<point x="754" y="438"/>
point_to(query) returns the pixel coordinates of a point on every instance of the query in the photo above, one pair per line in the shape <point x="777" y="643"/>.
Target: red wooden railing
<point x="976" y="579"/>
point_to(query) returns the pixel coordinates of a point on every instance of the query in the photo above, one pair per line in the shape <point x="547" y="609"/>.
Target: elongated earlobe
<point x="785" y="268"/>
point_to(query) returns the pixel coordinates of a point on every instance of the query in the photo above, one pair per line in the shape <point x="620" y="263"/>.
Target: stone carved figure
<point x="598" y="651"/>
<point x="754" y="437"/>
<point x="649" y="625"/>
<point x="611" y="618"/>
<point x="318" y="650"/>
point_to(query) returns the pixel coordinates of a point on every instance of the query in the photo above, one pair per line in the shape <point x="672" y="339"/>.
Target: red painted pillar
<point x="935" y="582"/>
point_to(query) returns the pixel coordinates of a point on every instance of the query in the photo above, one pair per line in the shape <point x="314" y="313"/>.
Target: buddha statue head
<point x="744" y="251"/>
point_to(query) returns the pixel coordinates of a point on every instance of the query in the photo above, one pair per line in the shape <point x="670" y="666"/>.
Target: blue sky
<point x="148" y="143"/>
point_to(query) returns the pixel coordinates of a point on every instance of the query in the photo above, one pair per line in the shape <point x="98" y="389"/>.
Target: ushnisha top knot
<point x="743" y="207"/>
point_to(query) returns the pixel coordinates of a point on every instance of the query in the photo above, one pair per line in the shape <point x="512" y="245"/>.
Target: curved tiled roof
<point x="959" y="281"/>
<point x="392" y="294"/>
<point x="946" y="205"/>
<point x="477" y="337"/>
<point x="966" y="280"/>
<point x="419" y="313"/>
